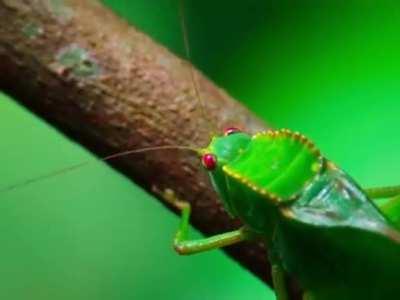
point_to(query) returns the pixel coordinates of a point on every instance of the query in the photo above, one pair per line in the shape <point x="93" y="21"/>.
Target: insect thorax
<point x="256" y="173"/>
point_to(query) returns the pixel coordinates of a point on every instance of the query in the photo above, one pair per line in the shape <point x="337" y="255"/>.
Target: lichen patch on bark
<point x="59" y="9"/>
<point x="76" y="61"/>
<point x="32" y="30"/>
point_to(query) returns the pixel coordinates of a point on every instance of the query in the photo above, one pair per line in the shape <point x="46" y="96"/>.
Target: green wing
<point x="338" y="243"/>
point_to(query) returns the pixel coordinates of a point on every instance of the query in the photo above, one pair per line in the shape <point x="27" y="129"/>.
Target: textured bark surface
<point x="112" y="88"/>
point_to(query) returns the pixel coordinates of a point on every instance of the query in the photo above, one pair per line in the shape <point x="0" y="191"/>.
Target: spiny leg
<point x="383" y="192"/>
<point x="185" y="246"/>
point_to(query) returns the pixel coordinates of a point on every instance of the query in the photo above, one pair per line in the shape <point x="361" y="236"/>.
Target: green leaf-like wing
<point x="338" y="243"/>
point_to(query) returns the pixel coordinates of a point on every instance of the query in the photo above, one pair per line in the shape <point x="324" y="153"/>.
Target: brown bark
<point x="112" y="88"/>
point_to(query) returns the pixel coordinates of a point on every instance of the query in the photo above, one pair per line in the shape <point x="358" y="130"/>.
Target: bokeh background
<point x="330" y="69"/>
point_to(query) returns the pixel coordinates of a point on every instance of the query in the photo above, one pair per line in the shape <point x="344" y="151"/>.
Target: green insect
<point x="319" y="225"/>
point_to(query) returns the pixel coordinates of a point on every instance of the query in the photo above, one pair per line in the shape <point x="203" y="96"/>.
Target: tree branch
<point x="112" y="88"/>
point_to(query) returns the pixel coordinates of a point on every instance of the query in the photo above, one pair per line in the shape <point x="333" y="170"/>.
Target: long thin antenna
<point x="128" y="152"/>
<point x="192" y="75"/>
<point x="106" y="158"/>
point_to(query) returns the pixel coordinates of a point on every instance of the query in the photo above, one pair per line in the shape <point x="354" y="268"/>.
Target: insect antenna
<point x="85" y="163"/>
<point x="212" y="126"/>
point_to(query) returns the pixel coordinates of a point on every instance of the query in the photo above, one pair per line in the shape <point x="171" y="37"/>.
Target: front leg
<point x="184" y="246"/>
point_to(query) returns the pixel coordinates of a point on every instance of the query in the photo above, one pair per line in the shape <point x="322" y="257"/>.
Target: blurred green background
<point x="330" y="69"/>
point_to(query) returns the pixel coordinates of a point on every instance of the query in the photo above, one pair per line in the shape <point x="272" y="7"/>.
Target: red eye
<point x="231" y="130"/>
<point x="209" y="161"/>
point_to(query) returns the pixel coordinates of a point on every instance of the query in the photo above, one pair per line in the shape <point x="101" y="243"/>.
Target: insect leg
<point x="278" y="273"/>
<point x="391" y="209"/>
<point x="383" y="192"/>
<point x="185" y="246"/>
<point x="279" y="281"/>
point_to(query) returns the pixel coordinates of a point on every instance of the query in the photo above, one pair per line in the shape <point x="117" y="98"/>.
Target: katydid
<point x="320" y="226"/>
